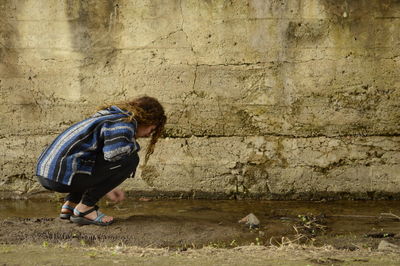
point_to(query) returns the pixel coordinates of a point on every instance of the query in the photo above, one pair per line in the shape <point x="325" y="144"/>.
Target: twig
<point x="354" y="216"/>
<point x="391" y="214"/>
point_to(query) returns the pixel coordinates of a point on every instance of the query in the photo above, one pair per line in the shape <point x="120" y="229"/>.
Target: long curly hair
<point x="146" y="111"/>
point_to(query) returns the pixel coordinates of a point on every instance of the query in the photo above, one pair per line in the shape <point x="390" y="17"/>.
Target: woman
<point x="92" y="157"/>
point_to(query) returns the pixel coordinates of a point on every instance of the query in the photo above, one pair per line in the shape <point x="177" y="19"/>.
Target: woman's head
<point x="150" y="117"/>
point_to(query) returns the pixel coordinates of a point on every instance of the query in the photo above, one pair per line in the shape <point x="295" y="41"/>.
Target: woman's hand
<point x="116" y="195"/>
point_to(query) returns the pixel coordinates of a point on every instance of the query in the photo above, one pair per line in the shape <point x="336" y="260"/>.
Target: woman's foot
<point x="81" y="208"/>
<point x="67" y="209"/>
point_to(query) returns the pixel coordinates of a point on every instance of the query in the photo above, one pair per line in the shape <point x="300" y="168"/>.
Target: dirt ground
<point x="163" y="240"/>
<point x="154" y="231"/>
<point x="65" y="254"/>
<point x="203" y="233"/>
<point x="182" y="232"/>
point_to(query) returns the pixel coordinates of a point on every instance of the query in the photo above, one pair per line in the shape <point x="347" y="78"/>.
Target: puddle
<point x="175" y="223"/>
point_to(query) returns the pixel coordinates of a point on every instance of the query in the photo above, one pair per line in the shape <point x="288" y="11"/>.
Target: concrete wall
<point x="271" y="98"/>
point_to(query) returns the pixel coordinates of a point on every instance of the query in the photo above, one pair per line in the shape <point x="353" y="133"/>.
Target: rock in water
<point x="386" y="246"/>
<point x="251" y="220"/>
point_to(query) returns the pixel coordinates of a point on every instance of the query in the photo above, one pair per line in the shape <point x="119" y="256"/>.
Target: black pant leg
<point x="94" y="194"/>
<point x="106" y="176"/>
<point x="74" y="197"/>
<point x="91" y="188"/>
<point x="52" y="185"/>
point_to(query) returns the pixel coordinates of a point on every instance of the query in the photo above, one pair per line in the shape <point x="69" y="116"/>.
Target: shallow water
<point x="46" y="208"/>
<point x="340" y="217"/>
<point x="181" y="225"/>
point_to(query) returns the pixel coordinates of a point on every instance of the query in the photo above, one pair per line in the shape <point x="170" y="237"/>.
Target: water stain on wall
<point x="94" y="35"/>
<point x="95" y="27"/>
<point x="149" y="175"/>
<point x="8" y="39"/>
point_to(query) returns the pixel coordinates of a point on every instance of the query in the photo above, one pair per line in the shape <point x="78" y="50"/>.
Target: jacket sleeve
<point x="119" y="140"/>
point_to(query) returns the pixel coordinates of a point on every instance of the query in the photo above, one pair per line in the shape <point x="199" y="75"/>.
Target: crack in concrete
<point x="35" y="93"/>
<point x="163" y="37"/>
<point x="186" y="35"/>
<point x="289" y="136"/>
<point x="237" y="64"/>
<point x="195" y="78"/>
<point x="188" y="149"/>
<point x="243" y="136"/>
<point x="221" y="113"/>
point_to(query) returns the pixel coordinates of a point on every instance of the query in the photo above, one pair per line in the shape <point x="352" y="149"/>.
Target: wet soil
<point x="181" y="224"/>
<point x="195" y="232"/>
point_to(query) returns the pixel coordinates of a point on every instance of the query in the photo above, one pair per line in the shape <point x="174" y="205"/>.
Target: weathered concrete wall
<point x="277" y="98"/>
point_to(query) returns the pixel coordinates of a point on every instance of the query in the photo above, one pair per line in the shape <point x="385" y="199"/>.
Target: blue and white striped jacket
<point x="74" y="151"/>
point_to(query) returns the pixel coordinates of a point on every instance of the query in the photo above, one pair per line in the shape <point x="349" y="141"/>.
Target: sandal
<point x="66" y="215"/>
<point x="78" y="217"/>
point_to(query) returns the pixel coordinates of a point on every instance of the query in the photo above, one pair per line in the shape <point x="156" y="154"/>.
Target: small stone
<point x="386" y="246"/>
<point x="345" y="14"/>
<point x="145" y="199"/>
<point x="251" y="220"/>
<point x="118" y="249"/>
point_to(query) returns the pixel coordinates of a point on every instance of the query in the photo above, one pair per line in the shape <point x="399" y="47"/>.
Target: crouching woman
<point x="92" y="157"/>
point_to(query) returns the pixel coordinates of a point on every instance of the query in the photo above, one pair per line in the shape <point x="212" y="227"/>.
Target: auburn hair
<point x="146" y="111"/>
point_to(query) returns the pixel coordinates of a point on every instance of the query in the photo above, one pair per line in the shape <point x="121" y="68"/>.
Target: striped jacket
<point x="74" y="150"/>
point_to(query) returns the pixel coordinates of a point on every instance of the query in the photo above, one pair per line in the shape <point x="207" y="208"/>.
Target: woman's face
<point x="145" y="131"/>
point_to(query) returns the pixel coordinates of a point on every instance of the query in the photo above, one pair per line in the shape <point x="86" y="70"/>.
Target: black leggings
<point x="89" y="189"/>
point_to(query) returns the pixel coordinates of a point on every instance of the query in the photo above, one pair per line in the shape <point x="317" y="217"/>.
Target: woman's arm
<point x="119" y="140"/>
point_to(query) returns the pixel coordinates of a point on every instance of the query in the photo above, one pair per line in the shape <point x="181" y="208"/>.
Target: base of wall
<point x="200" y="195"/>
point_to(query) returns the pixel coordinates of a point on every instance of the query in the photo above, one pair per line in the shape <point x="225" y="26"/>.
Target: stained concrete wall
<point x="276" y="99"/>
